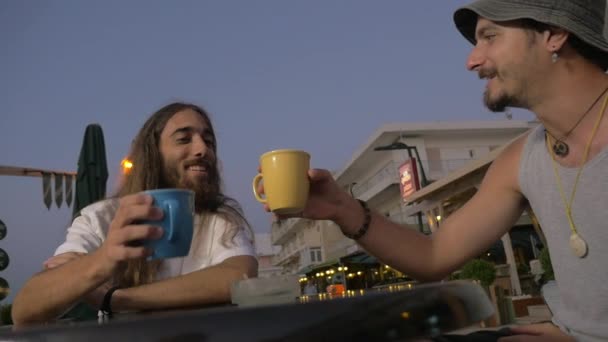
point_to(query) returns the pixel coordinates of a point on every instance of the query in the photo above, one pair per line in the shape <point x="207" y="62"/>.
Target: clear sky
<point x="318" y="75"/>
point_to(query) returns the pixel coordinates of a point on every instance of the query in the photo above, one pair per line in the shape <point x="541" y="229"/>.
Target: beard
<point x="500" y="102"/>
<point x="206" y="190"/>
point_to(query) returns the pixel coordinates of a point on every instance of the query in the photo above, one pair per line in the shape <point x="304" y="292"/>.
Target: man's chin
<point x="497" y="104"/>
<point x="201" y="189"/>
<point x="194" y="182"/>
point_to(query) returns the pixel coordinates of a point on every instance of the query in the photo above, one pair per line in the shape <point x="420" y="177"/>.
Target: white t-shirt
<point x="88" y="231"/>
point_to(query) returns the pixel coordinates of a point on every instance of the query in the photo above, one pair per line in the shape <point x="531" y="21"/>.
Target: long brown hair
<point x="147" y="174"/>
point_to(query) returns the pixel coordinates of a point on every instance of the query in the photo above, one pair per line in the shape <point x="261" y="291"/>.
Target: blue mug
<point x="177" y="223"/>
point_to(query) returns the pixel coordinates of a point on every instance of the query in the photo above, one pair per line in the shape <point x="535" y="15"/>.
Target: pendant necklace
<point x="577" y="244"/>
<point x="560" y="147"/>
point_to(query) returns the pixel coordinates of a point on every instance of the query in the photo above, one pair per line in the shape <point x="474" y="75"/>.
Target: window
<point x="315" y="254"/>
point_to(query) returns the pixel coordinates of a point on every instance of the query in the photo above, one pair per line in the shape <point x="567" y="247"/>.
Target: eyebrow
<point x="486" y="27"/>
<point x="190" y="130"/>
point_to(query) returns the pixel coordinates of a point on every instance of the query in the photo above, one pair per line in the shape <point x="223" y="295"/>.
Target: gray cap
<point x="586" y="19"/>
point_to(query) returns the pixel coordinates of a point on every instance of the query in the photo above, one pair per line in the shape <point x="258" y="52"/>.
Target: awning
<point x="311" y="268"/>
<point x="306" y="269"/>
<point x="360" y="258"/>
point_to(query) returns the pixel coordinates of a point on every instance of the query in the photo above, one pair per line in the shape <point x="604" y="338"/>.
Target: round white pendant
<point x="578" y="245"/>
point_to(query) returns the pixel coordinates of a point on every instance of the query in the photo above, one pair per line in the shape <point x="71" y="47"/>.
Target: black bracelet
<point x="106" y="304"/>
<point x="366" y="223"/>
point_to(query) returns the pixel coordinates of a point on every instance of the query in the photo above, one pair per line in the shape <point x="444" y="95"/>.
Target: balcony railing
<point x="388" y="172"/>
<point x="284" y="255"/>
<point x="280" y="232"/>
<point x="435" y="169"/>
<point x="302" y="253"/>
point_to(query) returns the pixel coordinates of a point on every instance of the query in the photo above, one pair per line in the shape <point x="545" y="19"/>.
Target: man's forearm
<point x="49" y="294"/>
<point x="400" y="246"/>
<point x="204" y="287"/>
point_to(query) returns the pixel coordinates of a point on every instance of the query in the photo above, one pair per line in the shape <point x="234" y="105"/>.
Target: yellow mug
<point x="285" y="176"/>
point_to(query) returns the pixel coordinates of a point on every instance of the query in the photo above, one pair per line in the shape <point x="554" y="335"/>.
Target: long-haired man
<point x="176" y="148"/>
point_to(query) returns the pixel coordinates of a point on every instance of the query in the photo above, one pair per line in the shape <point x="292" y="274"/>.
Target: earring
<point x="554" y="57"/>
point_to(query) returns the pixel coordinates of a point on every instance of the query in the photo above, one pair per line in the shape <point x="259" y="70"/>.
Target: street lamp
<point x="397" y="145"/>
<point x="403" y="146"/>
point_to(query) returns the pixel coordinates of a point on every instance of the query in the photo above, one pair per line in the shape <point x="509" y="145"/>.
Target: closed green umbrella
<point x="91" y="181"/>
<point x="92" y="172"/>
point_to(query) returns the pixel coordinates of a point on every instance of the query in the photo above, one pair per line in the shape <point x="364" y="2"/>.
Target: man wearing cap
<point x="550" y="57"/>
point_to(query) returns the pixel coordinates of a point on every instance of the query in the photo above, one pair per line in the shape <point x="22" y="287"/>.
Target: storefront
<point x="355" y="271"/>
<point x="443" y="197"/>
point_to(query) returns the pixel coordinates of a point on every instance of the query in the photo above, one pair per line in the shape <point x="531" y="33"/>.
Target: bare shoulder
<point x="504" y="171"/>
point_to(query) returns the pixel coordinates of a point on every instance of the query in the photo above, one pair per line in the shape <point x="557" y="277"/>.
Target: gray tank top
<point x="581" y="299"/>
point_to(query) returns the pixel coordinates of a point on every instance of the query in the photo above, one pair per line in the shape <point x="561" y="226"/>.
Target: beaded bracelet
<point x="366" y="222"/>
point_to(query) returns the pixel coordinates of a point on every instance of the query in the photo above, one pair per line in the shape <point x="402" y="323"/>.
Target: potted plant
<point x="480" y="270"/>
<point x="545" y="261"/>
<point x="483" y="272"/>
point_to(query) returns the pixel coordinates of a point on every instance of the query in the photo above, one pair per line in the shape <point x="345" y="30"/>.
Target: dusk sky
<point x="315" y="75"/>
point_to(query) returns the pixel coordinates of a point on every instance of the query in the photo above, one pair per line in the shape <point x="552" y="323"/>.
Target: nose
<point x="199" y="147"/>
<point x="475" y="59"/>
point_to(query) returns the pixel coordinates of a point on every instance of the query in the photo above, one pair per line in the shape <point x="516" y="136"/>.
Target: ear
<point x="555" y="38"/>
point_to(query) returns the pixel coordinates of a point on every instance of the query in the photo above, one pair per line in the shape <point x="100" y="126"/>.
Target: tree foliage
<point x="545" y="261"/>
<point x="481" y="270"/>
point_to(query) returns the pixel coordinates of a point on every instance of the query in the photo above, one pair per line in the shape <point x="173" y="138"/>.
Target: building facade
<point x="431" y="151"/>
<point x="265" y="252"/>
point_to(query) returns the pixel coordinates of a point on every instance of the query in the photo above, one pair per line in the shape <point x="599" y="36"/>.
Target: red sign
<point x="408" y="178"/>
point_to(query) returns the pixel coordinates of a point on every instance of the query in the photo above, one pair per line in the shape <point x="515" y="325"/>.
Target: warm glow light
<point x="345" y="268"/>
<point x="405" y="315"/>
<point x="438" y="217"/>
<point x="127" y="165"/>
<point x="359" y="273"/>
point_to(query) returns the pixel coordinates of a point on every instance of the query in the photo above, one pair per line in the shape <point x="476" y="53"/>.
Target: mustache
<point x="207" y="164"/>
<point x="487" y="73"/>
